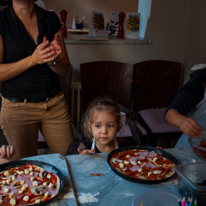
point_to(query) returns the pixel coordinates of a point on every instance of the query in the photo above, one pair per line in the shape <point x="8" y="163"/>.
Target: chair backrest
<point x="106" y="78"/>
<point x="156" y="83"/>
<point x="65" y="82"/>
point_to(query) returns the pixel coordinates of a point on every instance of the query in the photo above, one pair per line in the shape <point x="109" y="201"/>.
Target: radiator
<point x="75" y="102"/>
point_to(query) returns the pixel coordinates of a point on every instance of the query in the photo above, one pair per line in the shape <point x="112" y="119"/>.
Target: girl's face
<point x="104" y="127"/>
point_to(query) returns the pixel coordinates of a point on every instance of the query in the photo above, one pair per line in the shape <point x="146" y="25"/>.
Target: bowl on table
<point x="198" y="146"/>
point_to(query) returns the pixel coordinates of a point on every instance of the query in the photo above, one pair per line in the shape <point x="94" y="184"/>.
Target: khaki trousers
<point x="21" y="122"/>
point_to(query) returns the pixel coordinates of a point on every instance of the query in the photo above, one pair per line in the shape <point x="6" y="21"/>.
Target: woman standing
<point x="32" y="55"/>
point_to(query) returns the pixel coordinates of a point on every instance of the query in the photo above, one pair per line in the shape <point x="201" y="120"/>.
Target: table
<point x="108" y="189"/>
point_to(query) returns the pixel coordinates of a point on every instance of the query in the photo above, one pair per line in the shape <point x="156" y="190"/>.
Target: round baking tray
<point x="160" y="151"/>
<point x="44" y="165"/>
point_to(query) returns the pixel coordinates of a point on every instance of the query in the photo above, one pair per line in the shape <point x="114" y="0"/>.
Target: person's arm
<point x="188" y="96"/>
<point x="44" y="53"/>
<point x="186" y="124"/>
<point x="62" y="63"/>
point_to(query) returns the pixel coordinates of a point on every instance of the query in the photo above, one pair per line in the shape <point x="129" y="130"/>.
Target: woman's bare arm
<point x="186" y="124"/>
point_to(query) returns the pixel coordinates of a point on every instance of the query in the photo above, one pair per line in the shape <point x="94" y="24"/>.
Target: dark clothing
<point x="39" y="81"/>
<point x="74" y="145"/>
<point x="190" y="94"/>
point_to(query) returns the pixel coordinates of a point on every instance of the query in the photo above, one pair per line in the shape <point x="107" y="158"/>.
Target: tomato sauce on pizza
<point x="27" y="184"/>
<point x="142" y="164"/>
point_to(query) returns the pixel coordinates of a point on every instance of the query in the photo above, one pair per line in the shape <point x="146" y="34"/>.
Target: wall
<point x="195" y="44"/>
<point x="166" y="28"/>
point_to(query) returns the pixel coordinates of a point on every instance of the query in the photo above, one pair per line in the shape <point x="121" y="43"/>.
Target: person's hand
<point x="57" y="48"/>
<point x="190" y="127"/>
<point x="7" y="152"/>
<point x="44" y="53"/>
<point x="85" y="152"/>
<point x="56" y="43"/>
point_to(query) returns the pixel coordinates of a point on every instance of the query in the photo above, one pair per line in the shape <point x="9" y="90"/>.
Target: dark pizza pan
<point x="44" y="165"/>
<point x="160" y="151"/>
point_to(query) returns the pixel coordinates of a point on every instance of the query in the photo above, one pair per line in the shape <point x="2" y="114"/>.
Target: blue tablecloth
<point x="109" y="189"/>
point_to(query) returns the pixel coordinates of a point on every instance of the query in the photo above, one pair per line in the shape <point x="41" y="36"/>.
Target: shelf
<point x="84" y="39"/>
<point x="78" y="31"/>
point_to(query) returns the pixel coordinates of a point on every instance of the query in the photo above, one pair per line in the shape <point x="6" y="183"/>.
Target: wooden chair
<point x="101" y="78"/>
<point x="156" y="83"/>
<point x="111" y="79"/>
<point x="65" y="82"/>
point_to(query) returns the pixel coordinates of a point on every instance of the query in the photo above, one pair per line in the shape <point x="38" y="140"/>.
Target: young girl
<point x="100" y="124"/>
<point x="7" y="153"/>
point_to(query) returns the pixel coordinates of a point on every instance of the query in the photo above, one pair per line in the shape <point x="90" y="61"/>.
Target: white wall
<point x="166" y="28"/>
<point x="195" y="45"/>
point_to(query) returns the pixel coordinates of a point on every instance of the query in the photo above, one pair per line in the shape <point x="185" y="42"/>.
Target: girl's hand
<point x="84" y="152"/>
<point x="7" y="152"/>
<point x="44" y="53"/>
<point x="190" y="127"/>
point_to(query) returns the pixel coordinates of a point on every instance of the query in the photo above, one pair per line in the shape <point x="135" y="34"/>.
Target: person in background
<point x="188" y="109"/>
<point x="99" y="125"/>
<point x="7" y="154"/>
<point x="32" y="55"/>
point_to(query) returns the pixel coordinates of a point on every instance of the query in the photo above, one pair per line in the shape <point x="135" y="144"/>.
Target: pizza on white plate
<point x="27" y="184"/>
<point x="142" y="164"/>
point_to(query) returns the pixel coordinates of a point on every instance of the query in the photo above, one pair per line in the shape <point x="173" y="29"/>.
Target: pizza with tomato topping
<point x="142" y="164"/>
<point x="27" y="184"/>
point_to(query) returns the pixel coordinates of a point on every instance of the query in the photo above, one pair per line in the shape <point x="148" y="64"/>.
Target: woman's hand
<point x="190" y="127"/>
<point x="7" y="152"/>
<point x="56" y="43"/>
<point x="45" y="52"/>
<point x="85" y="152"/>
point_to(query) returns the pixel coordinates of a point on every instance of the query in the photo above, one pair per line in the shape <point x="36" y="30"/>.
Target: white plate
<point x="155" y="197"/>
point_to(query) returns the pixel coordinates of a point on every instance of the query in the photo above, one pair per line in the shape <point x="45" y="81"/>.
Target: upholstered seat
<point x="154" y="118"/>
<point x="126" y="132"/>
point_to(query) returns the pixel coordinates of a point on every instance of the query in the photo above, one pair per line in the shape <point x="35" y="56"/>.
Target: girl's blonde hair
<point x="97" y="105"/>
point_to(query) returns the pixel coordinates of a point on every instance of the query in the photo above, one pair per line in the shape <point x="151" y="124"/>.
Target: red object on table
<point x="120" y="34"/>
<point x="63" y="14"/>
